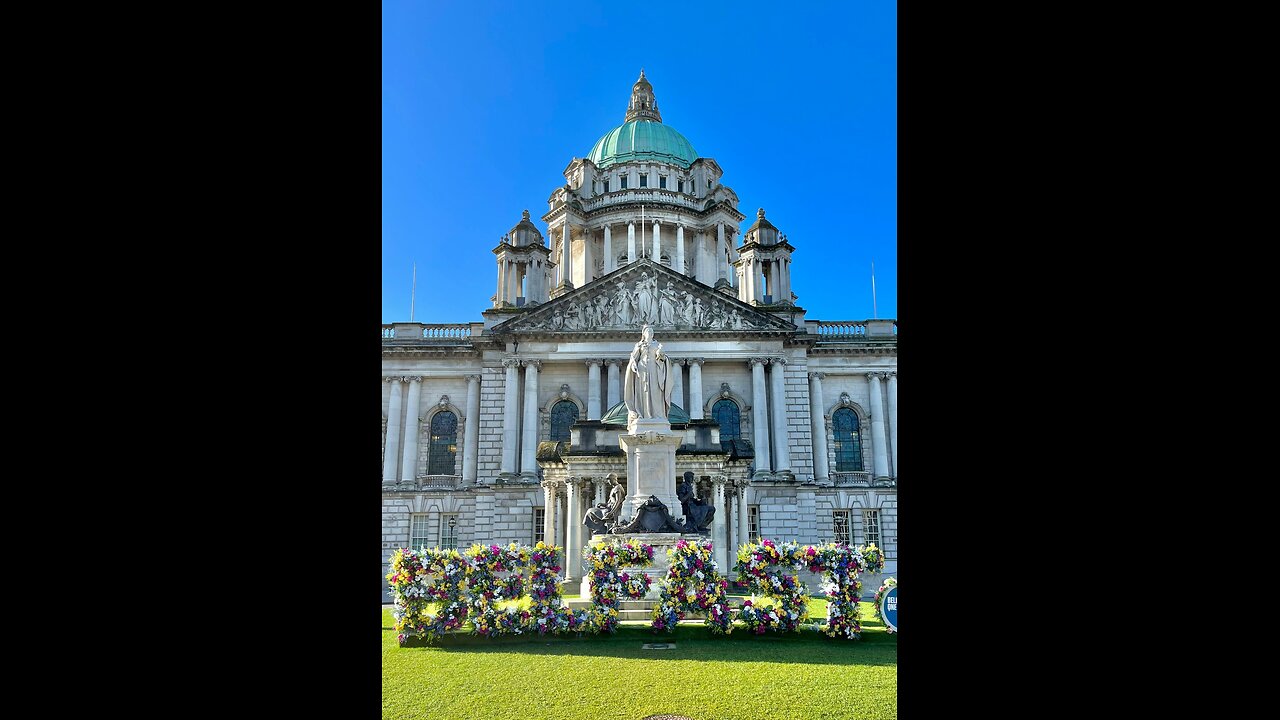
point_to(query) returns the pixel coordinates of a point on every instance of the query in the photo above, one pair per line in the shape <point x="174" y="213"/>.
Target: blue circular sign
<point x="889" y="609"/>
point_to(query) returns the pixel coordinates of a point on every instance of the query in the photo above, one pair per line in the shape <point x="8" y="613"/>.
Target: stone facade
<point x="561" y="326"/>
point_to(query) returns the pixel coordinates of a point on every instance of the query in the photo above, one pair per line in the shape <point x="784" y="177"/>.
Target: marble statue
<point x="647" y="390"/>
<point x="603" y="514"/>
<point x="698" y="513"/>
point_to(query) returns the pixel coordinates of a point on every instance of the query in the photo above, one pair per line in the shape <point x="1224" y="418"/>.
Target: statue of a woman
<point x="599" y="517"/>
<point x="647" y="389"/>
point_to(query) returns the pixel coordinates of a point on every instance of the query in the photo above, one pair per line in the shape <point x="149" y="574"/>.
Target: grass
<point x="740" y="677"/>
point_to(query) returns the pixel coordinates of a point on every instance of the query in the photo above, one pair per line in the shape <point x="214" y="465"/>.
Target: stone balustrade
<point x="644" y="195"/>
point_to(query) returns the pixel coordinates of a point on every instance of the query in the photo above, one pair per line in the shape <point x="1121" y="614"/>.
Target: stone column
<point x="893" y="419"/>
<point x="719" y="526"/>
<point x="391" y="453"/>
<point x="679" y="261"/>
<point x="701" y="270"/>
<point x="409" y="463"/>
<point x="677" y="384"/>
<point x="573" y="533"/>
<point x="695" y="388"/>
<point x="615" y="383"/>
<point x="549" y="512"/>
<point x="657" y="242"/>
<point x="511" y="417"/>
<point x="631" y="242"/>
<point x="502" y="283"/>
<point x="818" y="427"/>
<point x="880" y="456"/>
<point x="598" y="484"/>
<point x="609" y="260"/>
<point x="759" y="415"/>
<point x="781" y="443"/>
<point x="720" y="252"/>
<point x="566" y="266"/>
<point x="744" y="534"/>
<point x="513" y="282"/>
<point x="471" y="434"/>
<point x="588" y="262"/>
<point x="529" y="441"/>
<point x="593" y="389"/>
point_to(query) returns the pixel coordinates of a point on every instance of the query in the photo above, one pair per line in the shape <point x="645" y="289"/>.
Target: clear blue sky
<point x="485" y="103"/>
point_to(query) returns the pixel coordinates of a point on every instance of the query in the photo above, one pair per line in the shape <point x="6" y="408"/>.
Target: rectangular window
<point x="539" y="517"/>
<point x="693" y="187"/>
<point x="606" y="186"/>
<point x="449" y="531"/>
<point x="644" y="181"/>
<point x="840" y="524"/>
<point x="622" y="182"/>
<point x="871" y="528"/>
<point x="753" y="523"/>
<point x="418" y="531"/>
<point x="679" y="186"/>
<point x="662" y="182"/>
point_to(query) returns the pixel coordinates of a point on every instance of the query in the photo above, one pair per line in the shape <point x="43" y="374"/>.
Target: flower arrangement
<point x="693" y="583"/>
<point x="884" y="588"/>
<point x="487" y="590"/>
<point x="769" y="570"/>
<point x="608" y="584"/>
<point x="841" y="565"/>
<point x="547" y="612"/>
<point x="426" y="578"/>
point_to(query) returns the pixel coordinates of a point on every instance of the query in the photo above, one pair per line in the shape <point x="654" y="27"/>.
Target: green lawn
<point x="743" y="676"/>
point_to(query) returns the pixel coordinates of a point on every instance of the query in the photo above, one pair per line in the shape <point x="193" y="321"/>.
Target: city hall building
<point x="505" y="429"/>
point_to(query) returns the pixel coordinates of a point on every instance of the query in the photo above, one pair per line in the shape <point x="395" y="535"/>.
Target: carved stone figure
<point x="686" y="310"/>
<point x="667" y="305"/>
<point x="645" y="305"/>
<point x="653" y="516"/>
<point x="698" y="513"/>
<point x="604" y="514"/>
<point x="622" y="302"/>
<point x="647" y="390"/>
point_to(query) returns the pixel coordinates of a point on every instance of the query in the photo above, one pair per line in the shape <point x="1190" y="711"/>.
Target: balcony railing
<point x="644" y="195"/>
<point x="842" y="329"/>
<point x="426" y="482"/>
<point x="447" y="331"/>
<point x="851" y="479"/>
<point x="388" y="332"/>
<point x="435" y="332"/>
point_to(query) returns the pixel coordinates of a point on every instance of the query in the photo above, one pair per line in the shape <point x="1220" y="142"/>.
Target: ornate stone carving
<point x="599" y="518"/>
<point x="753" y="361"/>
<point x="817" y="375"/>
<point x="444" y="402"/>
<point x="532" y="363"/>
<point x="648" y="385"/>
<point x="564" y="391"/>
<point x="724" y="390"/>
<point x="698" y="513"/>
<point x="653" y="517"/>
<point x="511" y="362"/>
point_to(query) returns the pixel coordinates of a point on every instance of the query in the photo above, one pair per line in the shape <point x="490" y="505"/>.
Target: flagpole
<point x="874" y="316"/>
<point x="414" y="291"/>
<point x="641" y="230"/>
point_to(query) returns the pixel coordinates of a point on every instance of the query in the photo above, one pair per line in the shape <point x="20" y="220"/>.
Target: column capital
<point x="472" y="378"/>
<point x="535" y="364"/>
<point x="413" y="378"/>
<point x="392" y="378"/>
<point x="875" y="376"/>
<point x="511" y="362"/>
<point x="719" y="480"/>
<point x="817" y="375"/>
<point x="777" y="361"/>
<point x="613" y="361"/>
<point x="695" y="361"/>
<point x="892" y="374"/>
<point x="593" y="361"/>
<point x="753" y="361"/>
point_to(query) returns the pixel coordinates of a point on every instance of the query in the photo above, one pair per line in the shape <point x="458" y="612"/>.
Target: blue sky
<point x="485" y="103"/>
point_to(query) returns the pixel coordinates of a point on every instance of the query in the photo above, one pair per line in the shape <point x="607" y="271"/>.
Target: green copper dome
<point x="643" y="140"/>
<point x="617" y="415"/>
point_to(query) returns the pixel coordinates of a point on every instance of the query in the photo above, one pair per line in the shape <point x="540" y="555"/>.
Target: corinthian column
<point x="781" y="443"/>
<point x="391" y="453"/>
<point x="409" y="464"/>
<point x="678" y="263"/>
<point x="549" y="504"/>
<point x="657" y="242"/>
<point x="677" y="383"/>
<point x="566" y="268"/>
<point x="609" y="259"/>
<point x="573" y="533"/>
<point x="893" y="419"/>
<point x="759" y="415"/>
<point x="593" y="389"/>
<point x="719" y="526"/>
<point x="529" y="442"/>
<point x="695" y="389"/>
<point x="880" y="453"/>
<point x="615" y="383"/>
<point x="744" y="534"/>
<point x="818" y="427"/>
<point x="721" y="267"/>
<point x="510" y="417"/>
<point x="471" y="433"/>
<point x="631" y="242"/>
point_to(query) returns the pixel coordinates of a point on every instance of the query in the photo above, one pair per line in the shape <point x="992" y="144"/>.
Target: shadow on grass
<point x="694" y="642"/>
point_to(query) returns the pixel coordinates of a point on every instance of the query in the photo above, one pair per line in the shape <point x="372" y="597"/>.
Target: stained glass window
<point x="444" y="444"/>
<point x="563" y="414"/>
<point x="848" y="442"/>
<point x="726" y="413"/>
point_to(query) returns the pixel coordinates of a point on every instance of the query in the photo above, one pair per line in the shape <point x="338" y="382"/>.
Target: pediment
<point x="644" y="291"/>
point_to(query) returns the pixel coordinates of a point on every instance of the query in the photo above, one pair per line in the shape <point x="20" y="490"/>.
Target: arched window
<point x="848" y="440"/>
<point x="563" y="414"/>
<point x="726" y="413"/>
<point x="444" y="443"/>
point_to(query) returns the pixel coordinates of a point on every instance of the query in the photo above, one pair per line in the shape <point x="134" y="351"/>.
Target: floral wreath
<point x="608" y="584"/>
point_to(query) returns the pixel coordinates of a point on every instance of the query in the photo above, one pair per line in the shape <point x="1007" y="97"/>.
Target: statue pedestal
<point x="661" y="542"/>
<point x="650" y="446"/>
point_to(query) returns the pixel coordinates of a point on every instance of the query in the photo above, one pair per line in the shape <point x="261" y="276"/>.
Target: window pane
<point x="753" y="523"/>
<point x="444" y="444"/>
<point x="847" y="440"/>
<point x="662" y="183"/>
<point x="644" y="181"/>
<point x="726" y="413"/>
<point x="539" y="517"/>
<point x="563" y="414"/>
<point x="448" y="531"/>
<point x="871" y="527"/>
<point x="840" y="524"/>
<point x="418" y="532"/>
